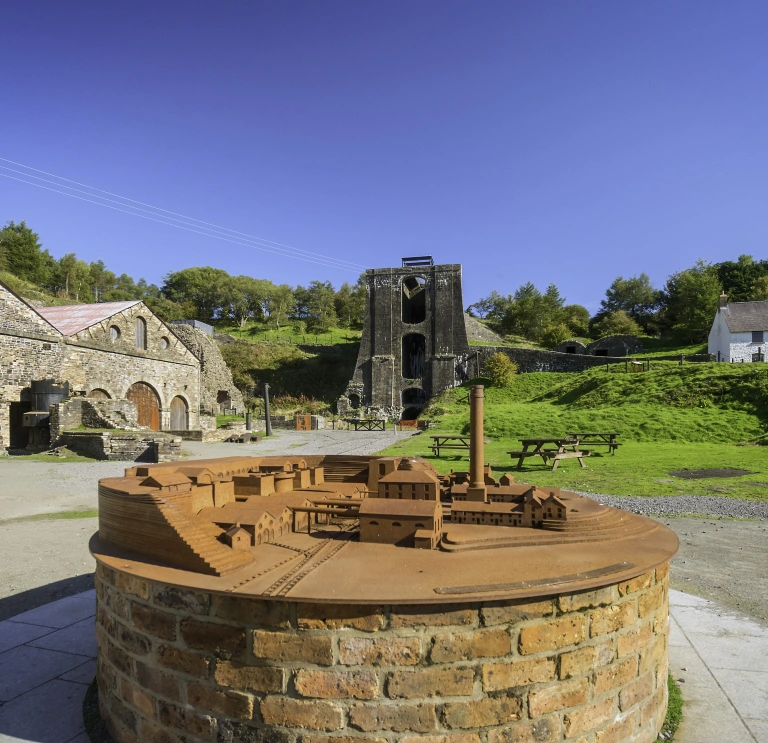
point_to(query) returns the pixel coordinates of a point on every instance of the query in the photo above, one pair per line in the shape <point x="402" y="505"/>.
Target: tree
<point x="690" y="301"/>
<point x="349" y="303"/>
<point x="202" y="287"/>
<point x="554" y="335"/>
<point x="500" y="369"/>
<point x="102" y="279"/>
<point x="616" y="323"/>
<point x="21" y="254"/>
<point x="528" y="312"/>
<point x="577" y="319"/>
<point x="321" y="311"/>
<point x="73" y="278"/>
<point x="244" y="297"/>
<point x="280" y="302"/>
<point x="634" y="296"/>
<point x="739" y="278"/>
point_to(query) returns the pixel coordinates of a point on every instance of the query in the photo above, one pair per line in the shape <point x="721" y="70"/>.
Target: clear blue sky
<point x="545" y="141"/>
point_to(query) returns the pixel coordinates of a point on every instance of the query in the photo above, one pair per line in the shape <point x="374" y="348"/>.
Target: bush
<point x="616" y="323"/>
<point x="554" y="335"/>
<point x="500" y="369"/>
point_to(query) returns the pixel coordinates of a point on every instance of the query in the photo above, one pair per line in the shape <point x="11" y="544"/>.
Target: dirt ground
<point x="42" y="559"/>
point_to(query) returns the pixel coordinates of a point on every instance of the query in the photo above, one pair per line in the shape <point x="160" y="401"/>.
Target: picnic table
<point x="555" y="448"/>
<point x="596" y="438"/>
<point x="449" y="441"/>
<point x="367" y="424"/>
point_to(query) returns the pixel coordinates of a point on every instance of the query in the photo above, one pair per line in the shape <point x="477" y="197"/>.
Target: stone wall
<point x="148" y="446"/>
<point x="215" y="373"/>
<point x="75" y="412"/>
<point x="181" y="665"/>
<point x="534" y="360"/>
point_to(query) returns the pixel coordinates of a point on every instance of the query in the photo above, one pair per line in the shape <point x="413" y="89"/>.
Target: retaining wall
<point x="183" y="665"/>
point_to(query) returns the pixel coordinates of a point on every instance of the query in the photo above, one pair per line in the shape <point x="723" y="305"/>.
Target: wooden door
<point x="179" y="419"/>
<point x="146" y="401"/>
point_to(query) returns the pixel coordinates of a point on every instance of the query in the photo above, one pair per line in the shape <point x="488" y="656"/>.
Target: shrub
<point x="500" y="369"/>
<point x="555" y="334"/>
<point x="616" y="323"/>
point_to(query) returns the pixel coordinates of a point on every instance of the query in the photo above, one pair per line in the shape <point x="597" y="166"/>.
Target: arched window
<point x="114" y="332"/>
<point x="420" y="526"/>
<point x="374" y="523"/>
<point x="164" y="343"/>
<point x="414" y="300"/>
<point x="396" y="523"/>
<point x="141" y="333"/>
<point x="414" y="356"/>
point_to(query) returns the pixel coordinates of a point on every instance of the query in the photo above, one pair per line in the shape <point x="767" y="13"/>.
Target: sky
<point x="559" y="141"/>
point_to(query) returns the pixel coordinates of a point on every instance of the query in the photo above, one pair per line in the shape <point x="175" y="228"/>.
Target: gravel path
<point x="685" y="505"/>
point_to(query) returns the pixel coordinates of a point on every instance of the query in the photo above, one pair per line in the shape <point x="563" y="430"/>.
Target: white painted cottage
<point x="740" y="331"/>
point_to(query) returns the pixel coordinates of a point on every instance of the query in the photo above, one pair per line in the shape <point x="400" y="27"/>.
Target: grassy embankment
<point x="671" y="418"/>
<point x="306" y="372"/>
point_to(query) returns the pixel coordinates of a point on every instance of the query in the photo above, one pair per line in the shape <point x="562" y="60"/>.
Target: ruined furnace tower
<point x="414" y="342"/>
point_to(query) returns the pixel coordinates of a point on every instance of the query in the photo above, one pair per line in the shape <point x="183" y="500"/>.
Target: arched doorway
<point x="147" y="403"/>
<point x="98" y="394"/>
<point x="414" y="356"/>
<point x="413" y="400"/>
<point x="179" y="414"/>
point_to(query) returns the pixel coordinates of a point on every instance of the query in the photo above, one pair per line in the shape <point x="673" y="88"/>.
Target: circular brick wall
<point x="177" y="664"/>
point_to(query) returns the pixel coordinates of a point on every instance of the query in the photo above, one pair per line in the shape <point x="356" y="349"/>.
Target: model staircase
<point x="202" y="542"/>
<point x="345" y="470"/>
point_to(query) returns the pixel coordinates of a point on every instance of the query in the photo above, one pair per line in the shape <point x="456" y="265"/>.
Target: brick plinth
<point x="182" y="665"/>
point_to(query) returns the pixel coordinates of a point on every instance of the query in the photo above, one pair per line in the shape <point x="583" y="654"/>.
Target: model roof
<point x="392" y="507"/>
<point x="71" y="319"/>
<point x="743" y="317"/>
<point x="477" y="506"/>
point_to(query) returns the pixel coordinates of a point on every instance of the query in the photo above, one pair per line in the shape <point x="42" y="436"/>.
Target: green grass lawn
<point x="671" y="418"/>
<point x="258" y="332"/>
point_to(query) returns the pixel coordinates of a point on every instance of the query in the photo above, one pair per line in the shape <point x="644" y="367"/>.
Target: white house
<point x="739" y="331"/>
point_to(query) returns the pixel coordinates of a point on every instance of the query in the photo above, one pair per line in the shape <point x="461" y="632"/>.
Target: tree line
<point x="200" y="293"/>
<point x="682" y="310"/>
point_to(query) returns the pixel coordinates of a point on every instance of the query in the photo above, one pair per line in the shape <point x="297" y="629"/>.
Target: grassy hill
<point x="671" y="418"/>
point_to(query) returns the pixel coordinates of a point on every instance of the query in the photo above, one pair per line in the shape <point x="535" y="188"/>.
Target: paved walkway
<point x="47" y="661"/>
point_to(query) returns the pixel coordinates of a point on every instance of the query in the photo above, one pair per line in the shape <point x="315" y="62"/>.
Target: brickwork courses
<point x="178" y="664"/>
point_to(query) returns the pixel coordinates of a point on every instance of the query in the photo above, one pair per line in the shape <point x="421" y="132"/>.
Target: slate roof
<point x="72" y="318"/>
<point x="743" y="317"/>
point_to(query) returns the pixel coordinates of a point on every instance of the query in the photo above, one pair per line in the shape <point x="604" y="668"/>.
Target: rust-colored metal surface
<point x="367" y="530"/>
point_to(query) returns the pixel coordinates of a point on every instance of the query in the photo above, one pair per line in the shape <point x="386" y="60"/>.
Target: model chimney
<point x="723" y="299"/>
<point x="476" y="490"/>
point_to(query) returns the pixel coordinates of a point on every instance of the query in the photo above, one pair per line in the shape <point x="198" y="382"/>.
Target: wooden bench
<point x="550" y="454"/>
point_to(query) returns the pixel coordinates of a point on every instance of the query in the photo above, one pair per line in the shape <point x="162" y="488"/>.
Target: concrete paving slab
<point x="24" y="668"/>
<point x="51" y="713"/>
<point x="83" y="674"/>
<point x="13" y="634"/>
<point x="708" y="716"/>
<point x="734" y="652"/>
<point x="717" y="621"/>
<point x="78" y="638"/>
<point x="748" y="690"/>
<point x="58" y="614"/>
<point x="759" y="729"/>
<point x="86" y="595"/>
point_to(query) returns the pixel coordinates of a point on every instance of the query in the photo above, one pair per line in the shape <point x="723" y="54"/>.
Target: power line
<point x="262" y="244"/>
<point x="188" y="229"/>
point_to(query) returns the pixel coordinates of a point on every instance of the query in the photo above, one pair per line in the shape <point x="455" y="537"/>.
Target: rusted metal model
<point x="334" y="528"/>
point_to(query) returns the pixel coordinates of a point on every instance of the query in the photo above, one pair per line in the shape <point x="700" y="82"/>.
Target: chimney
<point x="723" y="300"/>
<point x="476" y="490"/>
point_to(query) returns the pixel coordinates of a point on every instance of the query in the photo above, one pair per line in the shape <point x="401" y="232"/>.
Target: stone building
<point x="107" y="351"/>
<point x="218" y="391"/>
<point x="414" y="342"/>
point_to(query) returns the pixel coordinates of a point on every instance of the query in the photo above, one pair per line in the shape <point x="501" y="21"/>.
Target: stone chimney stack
<point x="476" y="490"/>
<point x="722" y="300"/>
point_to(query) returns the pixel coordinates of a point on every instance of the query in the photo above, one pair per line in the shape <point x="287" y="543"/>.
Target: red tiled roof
<point x="72" y="318"/>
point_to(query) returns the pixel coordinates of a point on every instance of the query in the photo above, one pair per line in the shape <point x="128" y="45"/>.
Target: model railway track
<point x="274" y="589"/>
<point x="308" y="568"/>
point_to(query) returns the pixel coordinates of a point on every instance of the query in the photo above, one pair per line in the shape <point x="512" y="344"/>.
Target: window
<point x="757" y="336"/>
<point x="164" y="343"/>
<point x="419" y="526"/>
<point x="396" y="523"/>
<point x="141" y="333"/>
<point x="374" y="523"/>
<point x="114" y="332"/>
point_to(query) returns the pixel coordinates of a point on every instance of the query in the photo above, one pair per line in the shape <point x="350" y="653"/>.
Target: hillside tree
<point x="690" y="301"/>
